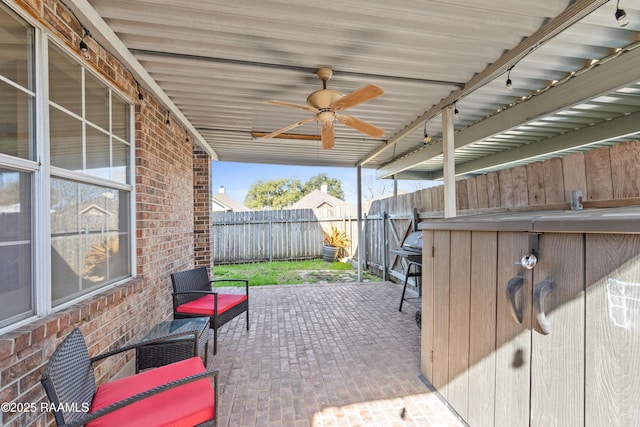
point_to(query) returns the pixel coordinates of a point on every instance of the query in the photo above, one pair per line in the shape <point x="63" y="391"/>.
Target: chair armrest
<point x="194" y="292"/>
<point x="246" y="282"/>
<point x="142" y="343"/>
<point x="229" y="280"/>
<point x="148" y="393"/>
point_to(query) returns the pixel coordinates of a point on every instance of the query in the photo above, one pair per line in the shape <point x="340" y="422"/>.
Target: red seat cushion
<point x="204" y="305"/>
<point x="186" y="405"/>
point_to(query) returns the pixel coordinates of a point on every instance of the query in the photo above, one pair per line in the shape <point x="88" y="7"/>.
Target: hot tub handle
<point x="513" y="286"/>
<point x="541" y="290"/>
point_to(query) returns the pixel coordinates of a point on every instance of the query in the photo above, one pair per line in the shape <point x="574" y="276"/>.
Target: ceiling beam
<point x="618" y="128"/>
<point x="91" y="20"/>
<point x="299" y="136"/>
<point x="605" y="78"/>
<point x="412" y="175"/>
<point x="306" y="70"/>
<point x="567" y="18"/>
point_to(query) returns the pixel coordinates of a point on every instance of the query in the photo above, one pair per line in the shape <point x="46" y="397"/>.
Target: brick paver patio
<point x="325" y="355"/>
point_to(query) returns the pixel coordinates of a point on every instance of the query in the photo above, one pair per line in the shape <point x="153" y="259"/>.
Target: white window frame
<point x="42" y="172"/>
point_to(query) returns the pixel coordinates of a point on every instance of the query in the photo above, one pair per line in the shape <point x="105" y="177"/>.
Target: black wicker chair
<point x="194" y="296"/>
<point x="179" y="393"/>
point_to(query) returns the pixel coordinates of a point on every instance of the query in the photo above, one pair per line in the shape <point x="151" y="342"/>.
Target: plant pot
<point x="329" y="253"/>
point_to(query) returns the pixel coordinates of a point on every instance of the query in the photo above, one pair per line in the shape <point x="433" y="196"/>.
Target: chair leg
<point x="247" y="319"/>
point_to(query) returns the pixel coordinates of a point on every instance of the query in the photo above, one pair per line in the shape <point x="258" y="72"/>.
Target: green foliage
<point x="273" y="194"/>
<point x="334" y="186"/>
<point x="282" y="193"/>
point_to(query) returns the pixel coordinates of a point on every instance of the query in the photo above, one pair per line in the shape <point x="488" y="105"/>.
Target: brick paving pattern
<point x="325" y="355"/>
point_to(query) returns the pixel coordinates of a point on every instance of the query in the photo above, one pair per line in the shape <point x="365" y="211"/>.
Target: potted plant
<point x="335" y="244"/>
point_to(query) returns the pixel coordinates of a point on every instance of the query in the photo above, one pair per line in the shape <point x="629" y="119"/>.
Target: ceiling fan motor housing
<point x="323" y="99"/>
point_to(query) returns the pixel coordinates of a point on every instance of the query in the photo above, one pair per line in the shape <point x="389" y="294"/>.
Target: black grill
<point x="411" y="249"/>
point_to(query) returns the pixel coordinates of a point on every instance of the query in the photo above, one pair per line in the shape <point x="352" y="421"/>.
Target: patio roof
<point x="212" y="64"/>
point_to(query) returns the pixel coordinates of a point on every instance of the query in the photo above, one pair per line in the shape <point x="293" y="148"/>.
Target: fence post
<point x="362" y="252"/>
<point x="384" y="246"/>
<point x="270" y="236"/>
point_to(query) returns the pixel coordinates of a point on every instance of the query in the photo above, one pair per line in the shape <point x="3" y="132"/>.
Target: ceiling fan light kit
<point x="325" y="103"/>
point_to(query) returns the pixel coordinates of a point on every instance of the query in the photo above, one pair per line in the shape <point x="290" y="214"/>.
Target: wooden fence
<point x="606" y="176"/>
<point x="255" y="236"/>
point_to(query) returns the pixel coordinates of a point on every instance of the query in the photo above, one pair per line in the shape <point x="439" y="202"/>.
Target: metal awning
<point x="212" y="64"/>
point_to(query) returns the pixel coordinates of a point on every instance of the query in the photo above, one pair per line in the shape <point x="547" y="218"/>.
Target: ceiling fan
<point x="325" y="104"/>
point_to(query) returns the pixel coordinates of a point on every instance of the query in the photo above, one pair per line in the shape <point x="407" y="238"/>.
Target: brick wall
<point x="166" y="171"/>
<point x="202" y="208"/>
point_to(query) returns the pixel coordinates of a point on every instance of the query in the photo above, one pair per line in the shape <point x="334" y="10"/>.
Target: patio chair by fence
<point x="194" y="296"/>
<point x="178" y="394"/>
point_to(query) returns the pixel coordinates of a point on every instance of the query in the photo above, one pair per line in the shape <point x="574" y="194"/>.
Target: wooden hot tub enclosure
<point x="533" y="319"/>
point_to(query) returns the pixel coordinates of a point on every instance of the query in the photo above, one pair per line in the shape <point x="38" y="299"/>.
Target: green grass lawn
<point x="291" y="272"/>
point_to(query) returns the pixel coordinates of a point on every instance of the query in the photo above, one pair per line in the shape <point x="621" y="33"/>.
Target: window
<point x="17" y="100"/>
<point x="16" y="296"/>
<point x="89" y="238"/>
<point x="89" y="136"/>
<point x="82" y="167"/>
<point x="89" y="128"/>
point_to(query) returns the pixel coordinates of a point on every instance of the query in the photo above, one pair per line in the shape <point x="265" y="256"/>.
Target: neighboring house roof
<point x="318" y="199"/>
<point x="221" y="202"/>
<point x="95" y="210"/>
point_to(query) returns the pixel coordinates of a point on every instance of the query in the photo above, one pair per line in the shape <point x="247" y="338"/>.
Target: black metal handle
<point x="513" y="286"/>
<point x="541" y="290"/>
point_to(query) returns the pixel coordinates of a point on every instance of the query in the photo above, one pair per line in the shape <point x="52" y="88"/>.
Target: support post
<point x="395" y="185"/>
<point x="361" y="248"/>
<point x="449" y="168"/>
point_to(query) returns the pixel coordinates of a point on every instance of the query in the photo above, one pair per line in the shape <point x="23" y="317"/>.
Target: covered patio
<point x="326" y="355"/>
<point x="114" y="112"/>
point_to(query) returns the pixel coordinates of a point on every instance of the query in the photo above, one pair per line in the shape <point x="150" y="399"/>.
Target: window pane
<point x="65" y="81"/>
<point x="120" y="113"/>
<point x="97" y="102"/>
<point x="15" y="246"/>
<point x="97" y="153"/>
<point x="16" y="49"/>
<point x="16" y="122"/>
<point x="89" y="238"/>
<point x="120" y="167"/>
<point x="65" y="134"/>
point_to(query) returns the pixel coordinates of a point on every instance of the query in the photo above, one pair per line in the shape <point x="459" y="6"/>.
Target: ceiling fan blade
<point x="361" y="126"/>
<point x="286" y="128"/>
<point x="328" y="136"/>
<point x="356" y="97"/>
<point x="291" y="105"/>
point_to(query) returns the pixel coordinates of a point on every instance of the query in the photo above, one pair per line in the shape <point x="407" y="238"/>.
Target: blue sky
<point x="238" y="177"/>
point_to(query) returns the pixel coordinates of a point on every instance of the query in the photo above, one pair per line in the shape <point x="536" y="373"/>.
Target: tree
<point x="282" y="193"/>
<point x="273" y="194"/>
<point x="334" y="186"/>
<point x="375" y="188"/>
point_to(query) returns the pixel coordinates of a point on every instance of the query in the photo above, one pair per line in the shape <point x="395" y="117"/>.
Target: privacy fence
<point x="240" y="237"/>
<point x="606" y="176"/>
